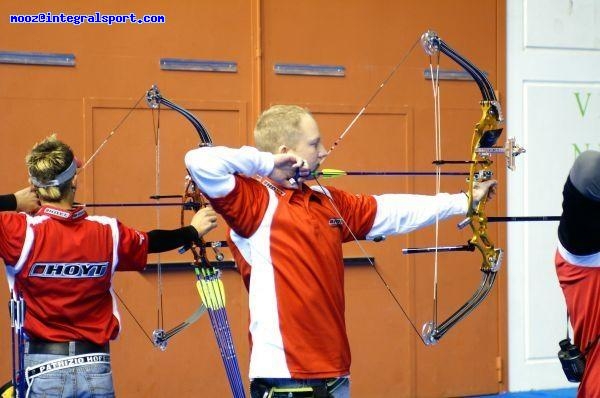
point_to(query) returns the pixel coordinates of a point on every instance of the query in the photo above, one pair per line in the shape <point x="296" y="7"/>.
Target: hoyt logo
<point x="68" y="270"/>
<point x="334" y="222"/>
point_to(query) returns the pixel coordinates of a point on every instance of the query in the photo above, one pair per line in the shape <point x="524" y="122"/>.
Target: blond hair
<point x="47" y="160"/>
<point x="279" y="125"/>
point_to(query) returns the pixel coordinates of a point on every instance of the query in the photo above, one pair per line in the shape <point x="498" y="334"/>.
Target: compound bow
<point x="485" y="134"/>
<point x="208" y="278"/>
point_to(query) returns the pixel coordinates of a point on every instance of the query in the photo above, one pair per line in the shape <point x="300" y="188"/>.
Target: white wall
<point x="553" y="109"/>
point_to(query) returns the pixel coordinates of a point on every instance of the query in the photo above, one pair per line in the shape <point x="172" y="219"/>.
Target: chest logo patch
<point x="335" y="222"/>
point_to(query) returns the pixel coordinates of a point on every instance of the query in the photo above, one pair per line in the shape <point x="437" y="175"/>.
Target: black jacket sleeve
<point x="579" y="228"/>
<point x="8" y="202"/>
<point x="161" y="240"/>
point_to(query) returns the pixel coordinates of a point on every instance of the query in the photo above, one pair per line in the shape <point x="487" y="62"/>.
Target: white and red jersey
<point x="62" y="263"/>
<point x="287" y="244"/>
<point x="579" y="278"/>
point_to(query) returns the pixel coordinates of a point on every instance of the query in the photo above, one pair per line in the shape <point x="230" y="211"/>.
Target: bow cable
<point x="333" y="146"/>
<point x="435" y="84"/>
<point x="159" y="282"/>
<point x="371" y="98"/>
<point x="110" y="134"/>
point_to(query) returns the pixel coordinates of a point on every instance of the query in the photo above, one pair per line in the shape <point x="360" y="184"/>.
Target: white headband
<point x="59" y="180"/>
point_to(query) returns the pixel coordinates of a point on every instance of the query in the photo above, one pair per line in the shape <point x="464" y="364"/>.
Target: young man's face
<point x="309" y="146"/>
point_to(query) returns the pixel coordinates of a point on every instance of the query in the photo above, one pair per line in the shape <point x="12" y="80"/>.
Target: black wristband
<point x="8" y="202"/>
<point x="160" y="240"/>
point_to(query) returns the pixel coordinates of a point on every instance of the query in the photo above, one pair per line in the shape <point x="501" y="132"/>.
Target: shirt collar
<point x="76" y="213"/>
<point x="288" y="193"/>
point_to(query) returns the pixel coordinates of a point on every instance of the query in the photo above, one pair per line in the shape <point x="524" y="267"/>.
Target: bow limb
<point x="154" y="99"/>
<point x="161" y="337"/>
<point x="486" y="132"/>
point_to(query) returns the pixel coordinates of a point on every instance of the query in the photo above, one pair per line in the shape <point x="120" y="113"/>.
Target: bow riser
<point x="489" y="128"/>
<point x="486" y="132"/>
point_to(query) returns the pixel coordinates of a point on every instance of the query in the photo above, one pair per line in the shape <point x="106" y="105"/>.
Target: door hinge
<point x="499" y="369"/>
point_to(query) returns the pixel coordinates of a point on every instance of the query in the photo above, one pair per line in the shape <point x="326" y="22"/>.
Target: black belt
<point x="62" y="348"/>
<point x="321" y="389"/>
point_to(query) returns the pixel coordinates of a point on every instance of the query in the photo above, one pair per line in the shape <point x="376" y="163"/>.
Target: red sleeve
<point x="133" y="249"/>
<point x="12" y="236"/>
<point x="358" y="211"/>
<point x="244" y="207"/>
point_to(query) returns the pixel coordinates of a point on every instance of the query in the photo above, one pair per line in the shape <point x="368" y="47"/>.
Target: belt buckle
<point x="47" y="347"/>
<point x="86" y="347"/>
<point x="291" y="392"/>
<point x="321" y="391"/>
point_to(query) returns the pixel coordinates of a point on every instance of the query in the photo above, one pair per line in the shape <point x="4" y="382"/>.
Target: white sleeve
<point x="212" y="168"/>
<point x="400" y="213"/>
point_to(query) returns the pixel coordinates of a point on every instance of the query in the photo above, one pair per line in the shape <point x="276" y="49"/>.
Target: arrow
<point x="332" y="173"/>
<point x="523" y="218"/>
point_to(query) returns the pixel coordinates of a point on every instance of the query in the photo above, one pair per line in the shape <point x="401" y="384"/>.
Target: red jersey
<point x="62" y="263"/>
<point x="579" y="278"/>
<point x="295" y="279"/>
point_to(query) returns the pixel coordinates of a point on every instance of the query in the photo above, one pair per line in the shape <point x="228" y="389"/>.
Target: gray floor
<point x="562" y="393"/>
